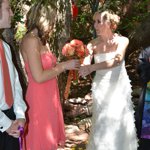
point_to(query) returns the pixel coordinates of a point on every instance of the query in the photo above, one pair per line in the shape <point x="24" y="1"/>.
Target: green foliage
<point x="59" y="26"/>
<point x="21" y="30"/>
<point x="138" y="14"/>
<point x="55" y="37"/>
<point x="114" y="5"/>
<point x="18" y="9"/>
<point x="82" y="26"/>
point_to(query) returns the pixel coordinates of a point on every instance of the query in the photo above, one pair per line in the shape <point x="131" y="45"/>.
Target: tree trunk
<point x="65" y="17"/>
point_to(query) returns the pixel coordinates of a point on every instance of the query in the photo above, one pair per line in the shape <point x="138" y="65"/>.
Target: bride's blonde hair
<point x="111" y="17"/>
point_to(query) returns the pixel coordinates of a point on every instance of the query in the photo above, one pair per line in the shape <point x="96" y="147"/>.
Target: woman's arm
<point x="31" y="53"/>
<point x="121" y="48"/>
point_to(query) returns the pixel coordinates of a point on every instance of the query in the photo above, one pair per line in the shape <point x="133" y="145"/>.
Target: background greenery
<point x="135" y="24"/>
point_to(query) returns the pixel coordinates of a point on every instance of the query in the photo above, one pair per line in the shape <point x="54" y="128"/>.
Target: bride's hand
<point x="85" y="70"/>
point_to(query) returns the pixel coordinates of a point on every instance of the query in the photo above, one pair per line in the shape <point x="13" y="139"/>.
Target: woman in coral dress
<point x="45" y="118"/>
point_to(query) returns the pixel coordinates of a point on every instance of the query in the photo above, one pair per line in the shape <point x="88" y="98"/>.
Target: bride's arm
<point x="121" y="48"/>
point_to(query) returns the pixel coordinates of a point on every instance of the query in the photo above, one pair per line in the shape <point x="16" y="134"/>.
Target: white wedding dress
<point x="113" y="125"/>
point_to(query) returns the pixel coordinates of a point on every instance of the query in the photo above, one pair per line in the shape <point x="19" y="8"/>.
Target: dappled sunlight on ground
<point x="76" y="139"/>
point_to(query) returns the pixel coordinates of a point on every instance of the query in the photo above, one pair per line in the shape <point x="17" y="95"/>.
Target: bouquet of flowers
<point x="75" y="49"/>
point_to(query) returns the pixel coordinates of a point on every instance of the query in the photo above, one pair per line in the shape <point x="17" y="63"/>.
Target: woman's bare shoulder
<point x="30" y="38"/>
<point x="94" y="42"/>
<point x="30" y="42"/>
<point x="121" y="39"/>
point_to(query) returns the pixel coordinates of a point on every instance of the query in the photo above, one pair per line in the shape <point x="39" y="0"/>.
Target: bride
<point x="113" y="125"/>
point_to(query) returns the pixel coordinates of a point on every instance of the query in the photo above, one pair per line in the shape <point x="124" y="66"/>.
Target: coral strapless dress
<point x="46" y="125"/>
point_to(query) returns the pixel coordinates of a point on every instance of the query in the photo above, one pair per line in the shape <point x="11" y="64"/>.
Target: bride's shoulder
<point x="91" y="46"/>
<point x="121" y="39"/>
<point x="94" y="42"/>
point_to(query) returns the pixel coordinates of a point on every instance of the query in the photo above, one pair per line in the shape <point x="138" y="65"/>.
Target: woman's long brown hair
<point x="39" y="16"/>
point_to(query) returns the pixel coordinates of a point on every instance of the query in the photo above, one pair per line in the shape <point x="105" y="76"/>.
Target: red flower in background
<point x="74" y="11"/>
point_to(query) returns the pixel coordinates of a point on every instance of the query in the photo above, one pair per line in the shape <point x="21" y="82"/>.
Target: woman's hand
<point x="85" y="70"/>
<point x="73" y="64"/>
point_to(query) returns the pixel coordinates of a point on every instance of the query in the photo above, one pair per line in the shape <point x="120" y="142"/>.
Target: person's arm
<point x="10" y="126"/>
<point x="19" y="104"/>
<point x="5" y="122"/>
<point x="19" y="107"/>
<point x="31" y="46"/>
<point x="121" y="49"/>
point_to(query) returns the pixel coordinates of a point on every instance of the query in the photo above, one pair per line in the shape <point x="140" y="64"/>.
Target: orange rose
<point x="68" y="50"/>
<point x="76" y="43"/>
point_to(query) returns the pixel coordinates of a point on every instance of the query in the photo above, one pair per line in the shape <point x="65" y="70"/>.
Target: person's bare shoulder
<point x="122" y="39"/>
<point x="92" y="45"/>
<point x="29" y="38"/>
<point x="29" y="42"/>
<point x="95" y="41"/>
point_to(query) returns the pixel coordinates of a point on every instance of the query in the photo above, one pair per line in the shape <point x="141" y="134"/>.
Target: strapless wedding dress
<point x="113" y="125"/>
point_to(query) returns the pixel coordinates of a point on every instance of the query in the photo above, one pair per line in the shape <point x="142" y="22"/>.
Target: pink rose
<point x="68" y="50"/>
